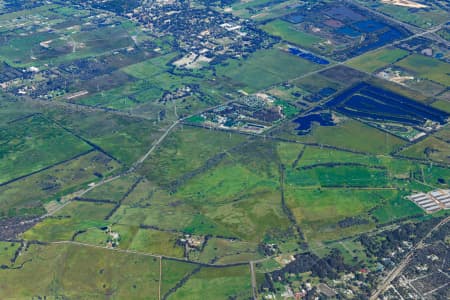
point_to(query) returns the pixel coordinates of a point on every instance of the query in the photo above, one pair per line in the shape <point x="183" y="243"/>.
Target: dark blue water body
<point x="348" y="31"/>
<point x="326" y="92"/>
<point x="367" y="101"/>
<point x="369" y="26"/>
<point x="382" y="39"/>
<point x="308" y="56"/>
<point x="306" y="122"/>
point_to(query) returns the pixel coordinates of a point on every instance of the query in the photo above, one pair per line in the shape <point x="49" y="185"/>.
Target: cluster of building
<point x="252" y="113"/>
<point x="204" y="35"/>
<point x="432" y="201"/>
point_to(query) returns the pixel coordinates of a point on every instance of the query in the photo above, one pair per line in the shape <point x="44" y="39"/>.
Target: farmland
<point x="261" y="149"/>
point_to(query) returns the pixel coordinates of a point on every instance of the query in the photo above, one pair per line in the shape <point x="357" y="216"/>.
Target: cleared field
<point x="353" y="135"/>
<point x="75" y="217"/>
<point x="318" y="211"/>
<point x="7" y="252"/>
<point x="113" y="191"/>
<point x="289" y="152"/>
<point x="186" y="150"/>
<point x="430" y="148"/>
<point x="33" y="191"/>
<point x="427" y="67"/>
<point x="265" y="68"/>
<point x="338" y="176"/>
<point x="442" y="104"/>
<point x="60" y="271"/>
<point x="228" y="251"/>
<point x="372" y="61"/>
<point x="396" y="208"/>
<point x="172" y="273"/>
<point x="149" y="68"/>
<point x="318" y="155"/>
<point x="157" y="242"/>
<point x="217" y="283"/>
<point x="287" y="32"/>
<point x="34" y="143"/>
<point x="124" y="138"/>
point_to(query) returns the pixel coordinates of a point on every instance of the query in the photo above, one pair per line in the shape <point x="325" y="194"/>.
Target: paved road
<point x="254" y="284"/>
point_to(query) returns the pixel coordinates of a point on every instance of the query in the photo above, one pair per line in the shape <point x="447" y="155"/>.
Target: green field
<point x="33" y="191"/>
<point x="429" y="149"/>
<point x="352" y="135"/>
<point x="373" y="61"/>
<point x="60" y="270"/>
<point x="186" y="150"/>
<point x="264" y="68"/>
<point x="318" y="210"/>
<point x="34" y="143"/>
<point x="77" y="216"/>
<point x="289" y="34"/>
<point x="226" y="283"/>
<point x="443" y="105"/>
<point x="427" y="67"/>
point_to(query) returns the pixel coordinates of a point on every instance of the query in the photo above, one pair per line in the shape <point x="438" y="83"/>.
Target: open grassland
<point x="265" y="68"/>
<point x="350" y="134"/>
<point x="427" y="67"/>
<point x="75" y="217"/>
<point x="55" y="182"/>
<point x="124" y="97"/>
<point x="372" y="61"/>
<point x="338" y="176"/>
<point x="288" y="33"/>
<point x="443" y="105"/>
<point x="172" y="273"/>
<point x="124" y="138"/>
<point x="289" y="152"/>
<point x="158" y="242"/>
<point x="34" y="143"/>
<point x="217" y="283"/>
<point x="430" y="148"/>
<point x="186" y="150"/>
<point x="316" y="82"/>
<point x="224" y="250"/>
<point x="114" y="190"/>
<point x="60" y="271"/>
<point x="148" y="69"/>
<point x="318" y="211"/>
<point x="396" y="208"/>
<point x="316" y="155"/>
<point x="7" y="251"/>
<point x="25" y="49"/>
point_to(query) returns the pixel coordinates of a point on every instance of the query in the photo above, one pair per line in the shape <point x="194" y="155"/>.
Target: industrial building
<point x="432" y="201"/>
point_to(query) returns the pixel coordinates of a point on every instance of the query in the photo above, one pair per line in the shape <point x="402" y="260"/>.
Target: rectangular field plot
<point x="378" y="59"/>
<point x="288" y="33"/>
<point x="265" y="68"/>
<point x="34" y="143"/>
<point x="427" y="67"/>
<point x="430" y="148"/>
<point x="323" y="214"/>
<point x="216" y="283"/>
<point x="346" y="134"/>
